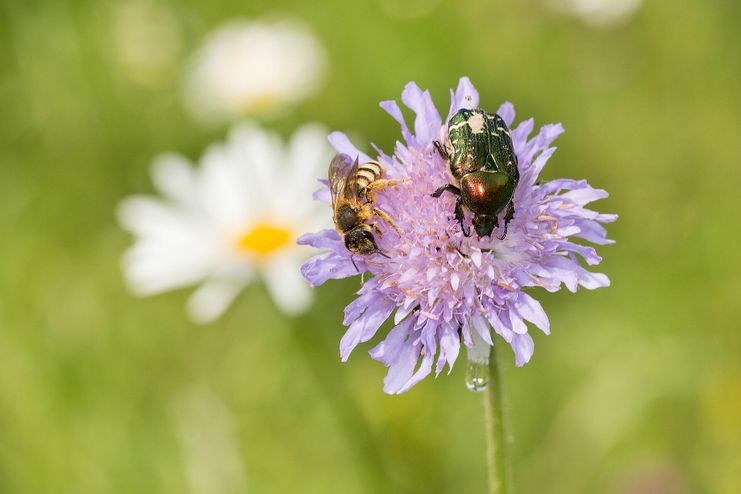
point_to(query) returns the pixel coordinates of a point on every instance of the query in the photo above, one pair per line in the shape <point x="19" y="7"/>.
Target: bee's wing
<point x="351" y="188"/>
<point x="340" y="170"/>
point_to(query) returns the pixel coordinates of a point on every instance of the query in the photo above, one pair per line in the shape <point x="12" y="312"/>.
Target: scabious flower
<point x="442" y="287"/>
<point x="598" y="13"/>
<point x="249" y="68"/>
<point x="235" y="216"/>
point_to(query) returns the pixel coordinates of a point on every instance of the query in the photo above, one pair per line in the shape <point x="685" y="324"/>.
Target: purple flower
<point x="443" y="287"/>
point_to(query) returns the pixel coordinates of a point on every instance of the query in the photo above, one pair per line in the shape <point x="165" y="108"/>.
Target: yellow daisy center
<point x="264" y="239"/>
<point x="262" y="103"/>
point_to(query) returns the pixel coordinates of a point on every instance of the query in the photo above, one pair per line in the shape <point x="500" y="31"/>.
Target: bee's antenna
<point x="381" y="253"/>
<point x="352" y="260"/>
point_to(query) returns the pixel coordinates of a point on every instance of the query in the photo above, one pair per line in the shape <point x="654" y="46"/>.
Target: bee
<point x="354" y="186"/>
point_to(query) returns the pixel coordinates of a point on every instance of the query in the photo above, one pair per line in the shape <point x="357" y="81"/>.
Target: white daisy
<point x="246" y="68"/>
<point x="236" y="215"/>
<point x="599" y="13"/>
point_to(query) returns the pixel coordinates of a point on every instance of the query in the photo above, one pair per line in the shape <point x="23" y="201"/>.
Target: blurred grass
<point x="640" y="377"/>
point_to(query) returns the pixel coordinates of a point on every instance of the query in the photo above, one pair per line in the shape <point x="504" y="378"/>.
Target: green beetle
<point x="482" y="160"/>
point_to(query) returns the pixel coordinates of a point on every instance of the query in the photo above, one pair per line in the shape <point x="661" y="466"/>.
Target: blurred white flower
<point x="598" y="13"/>
<point x="246" y="68"/>
<point x="236" y="215"/>
<point x="147" y="41"/>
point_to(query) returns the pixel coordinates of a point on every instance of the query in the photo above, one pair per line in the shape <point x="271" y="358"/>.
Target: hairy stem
<point x="496" y="453"/>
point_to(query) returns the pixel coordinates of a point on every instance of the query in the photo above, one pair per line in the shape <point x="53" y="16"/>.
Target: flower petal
<point x="328" y="266"/>
<point x="482" y="328"/>
<point x="212" y="298"/>
<point x="287" y="288"/>
<point x="429" y="345"/>
<point x="364" y="327"/>
<point x="341" y="143"/>
<point x="507" y="112"/>
<point x="465" y="96"/>
<point x="427" y="122"/>
<point x="327" y="239"/>
<point x="174" y="177"/>
<point x="392" y="108"/>
<point x="523" y="346"/>
<point x="399" y="354"/>
<point x="530" y="309"/>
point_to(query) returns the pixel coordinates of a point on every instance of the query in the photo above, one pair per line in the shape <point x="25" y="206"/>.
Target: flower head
<point x="247" y="68"/>
<point x="441" y="286"/>
<point x="236" y="215"/>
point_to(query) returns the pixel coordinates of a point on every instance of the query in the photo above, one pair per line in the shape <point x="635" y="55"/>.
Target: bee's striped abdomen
<point x="367" y="174"/>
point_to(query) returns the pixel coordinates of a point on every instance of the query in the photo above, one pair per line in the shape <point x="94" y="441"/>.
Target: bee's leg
<point x="362" y="273"/>
<point x="449" y="187"/>
<point x="440" y="149"/>
<point x="377" y="230"/>
<point x="385" y="217"/>
<point x="459" y="216"/>
<point x="373" y="187"/>
<point x="507" y="218"/>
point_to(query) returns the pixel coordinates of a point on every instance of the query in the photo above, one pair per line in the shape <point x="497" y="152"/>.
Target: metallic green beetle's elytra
<point x="483" y="162"/>
<point x="480" y="141"/>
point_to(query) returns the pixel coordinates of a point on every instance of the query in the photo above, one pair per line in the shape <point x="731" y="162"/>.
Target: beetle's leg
<point x="510" y="212"/>
<point x="507" y="218"/>
<point x="449" y="187"/>
<point x="385" y="217"/>
<point x="440" y="149"/>
<point x="373" y="187"/>
<point x="459" y="216"/>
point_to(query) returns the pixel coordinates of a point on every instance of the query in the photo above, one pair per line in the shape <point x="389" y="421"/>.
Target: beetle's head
<point x="484" y="225"/>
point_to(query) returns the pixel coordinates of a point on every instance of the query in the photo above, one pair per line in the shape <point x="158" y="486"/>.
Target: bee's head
<point x="360" y="240"/>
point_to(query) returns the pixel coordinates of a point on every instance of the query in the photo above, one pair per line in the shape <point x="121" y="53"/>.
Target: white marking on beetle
<point x="476" y="122"/>
<point x="457" y="126"/>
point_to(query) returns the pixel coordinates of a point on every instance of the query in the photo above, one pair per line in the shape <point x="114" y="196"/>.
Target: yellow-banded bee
<point x="353" y="186"/>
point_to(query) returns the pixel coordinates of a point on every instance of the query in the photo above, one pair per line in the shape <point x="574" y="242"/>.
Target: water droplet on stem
<point x="477" y="368"/>
<point x="477" y="376"/>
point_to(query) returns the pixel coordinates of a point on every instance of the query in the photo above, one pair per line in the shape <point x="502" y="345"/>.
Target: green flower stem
<point x="321" y="361"/>
<point x="496" y="451"/>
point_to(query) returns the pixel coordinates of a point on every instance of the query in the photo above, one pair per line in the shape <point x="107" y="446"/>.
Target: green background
<point x="638" y="390"/>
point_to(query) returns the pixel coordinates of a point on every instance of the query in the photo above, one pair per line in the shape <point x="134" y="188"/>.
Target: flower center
<point x="262" y="103"/>
<point x="264" y="239"/>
